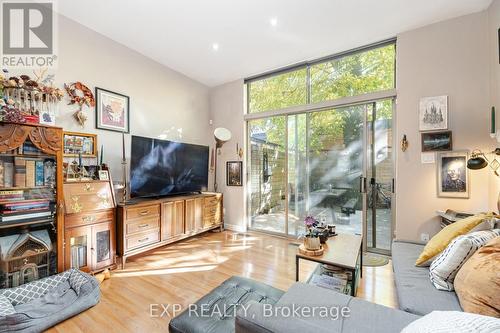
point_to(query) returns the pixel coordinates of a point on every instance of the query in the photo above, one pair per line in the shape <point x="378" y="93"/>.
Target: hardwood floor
<point x="183" y="272"/>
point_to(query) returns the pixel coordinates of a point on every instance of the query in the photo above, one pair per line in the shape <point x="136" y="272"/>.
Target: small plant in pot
<point x="311" y="239"/>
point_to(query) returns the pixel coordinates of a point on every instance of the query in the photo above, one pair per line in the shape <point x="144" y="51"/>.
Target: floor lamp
<point x="221" y="135"/>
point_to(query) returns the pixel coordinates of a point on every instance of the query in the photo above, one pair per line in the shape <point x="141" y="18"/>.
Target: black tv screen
<point x="160" y="167"/>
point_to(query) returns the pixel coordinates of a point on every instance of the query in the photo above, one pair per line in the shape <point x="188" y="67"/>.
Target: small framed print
<point x="433" y="113"/>
<point x="112" y="111"/>
<point x="103" y="175"/>
<point x="234" y="173"/>
<point x="79" y="143"/>
<point x="437" y="141"/>
<point x="453" y="175"/>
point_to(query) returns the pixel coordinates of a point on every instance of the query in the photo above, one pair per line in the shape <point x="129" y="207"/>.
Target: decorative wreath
<point x="79" y="94"/>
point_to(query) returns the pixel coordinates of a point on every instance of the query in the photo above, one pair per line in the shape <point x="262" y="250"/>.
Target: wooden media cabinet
<point x="145" y="224"/>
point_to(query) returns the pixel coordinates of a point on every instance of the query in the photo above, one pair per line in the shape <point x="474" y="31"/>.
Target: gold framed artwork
<point x="76" y="143"/>
<point x="234" y="173"/>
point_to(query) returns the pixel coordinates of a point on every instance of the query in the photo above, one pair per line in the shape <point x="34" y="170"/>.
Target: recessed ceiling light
<point x="273" y="21"/>
<point x="215" y="46"/>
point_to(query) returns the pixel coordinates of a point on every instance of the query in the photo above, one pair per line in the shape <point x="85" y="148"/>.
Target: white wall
<point x="227" y="109"/>
<point x="161" y="99"/>
<point x="493" y="26"/>
<point x="448" y="58"/>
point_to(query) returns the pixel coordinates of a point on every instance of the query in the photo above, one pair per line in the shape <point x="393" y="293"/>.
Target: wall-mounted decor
<point x="83" y="144"/>
<point x="80" y="95"/>
<point x="433" y="113"/>
<point x="112" y="111"/>
<point x="29" y="100"/>
<point x="234" y="173"/>
<point x="437" y="141"/>
<point x="453" y="175"/>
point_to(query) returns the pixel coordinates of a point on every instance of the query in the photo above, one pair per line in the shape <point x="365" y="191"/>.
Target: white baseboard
<point x="235" y="227"/>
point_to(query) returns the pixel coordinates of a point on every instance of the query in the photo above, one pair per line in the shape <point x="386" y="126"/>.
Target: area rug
<point x="374" y="260"/>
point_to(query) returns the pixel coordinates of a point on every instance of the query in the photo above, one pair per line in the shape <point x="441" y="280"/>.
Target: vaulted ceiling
<point x="217" y="41"/>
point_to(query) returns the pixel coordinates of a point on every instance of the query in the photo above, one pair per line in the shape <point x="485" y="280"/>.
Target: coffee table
<point x="344" y="251"/>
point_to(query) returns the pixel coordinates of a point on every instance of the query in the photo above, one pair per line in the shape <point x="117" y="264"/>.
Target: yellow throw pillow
<point x="441" y="240"/>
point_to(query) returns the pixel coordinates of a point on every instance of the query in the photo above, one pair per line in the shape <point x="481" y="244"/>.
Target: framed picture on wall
<point x="433" y="113"/>
<point x="79" y="143"/>
<point x="453" y="175"/>
<point x="112" y="111"/>
<point x="437" y="141"/>
<point x="234" y="173"/>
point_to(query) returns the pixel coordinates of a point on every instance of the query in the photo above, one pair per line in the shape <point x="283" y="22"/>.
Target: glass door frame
<point x="367" y="99"/>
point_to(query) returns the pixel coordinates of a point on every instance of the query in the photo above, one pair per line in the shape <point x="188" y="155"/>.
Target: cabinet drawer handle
<point x="143" y="225"/>
<point x="143" y="240"/>
<point x="144" y="212"/>
<point x="89" y="218"/>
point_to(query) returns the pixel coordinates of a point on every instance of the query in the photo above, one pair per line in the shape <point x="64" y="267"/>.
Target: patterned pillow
<point x="453" y="321"/>
<point x="446" y="266"/>
<point x="6" y="308"/>
<point x="77" y="279"/>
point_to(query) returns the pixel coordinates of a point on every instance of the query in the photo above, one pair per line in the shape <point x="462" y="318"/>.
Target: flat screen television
<point x="161" y="167"/>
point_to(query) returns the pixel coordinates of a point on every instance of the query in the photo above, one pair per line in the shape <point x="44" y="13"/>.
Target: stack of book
<point x="27" y="172"/>
<point x="337" y="272"/>
<point x="25" y="211"/>
<point x="11" y="195"/>
<point x="329" y="282"/>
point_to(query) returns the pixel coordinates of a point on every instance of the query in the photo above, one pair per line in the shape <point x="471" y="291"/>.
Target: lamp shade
<point x="476" y="163"/>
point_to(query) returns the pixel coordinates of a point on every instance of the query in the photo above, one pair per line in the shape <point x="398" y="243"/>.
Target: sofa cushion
<point x="362" y="316"/>
<point x="478" y="281"/>
<point x="446" y="266"/>
<point x="6" y="307"/>
<point x="416" y="294"/>
<point x="441" y="240"/>
<point x="453" y="321"/>
<point x="215" y="311"/>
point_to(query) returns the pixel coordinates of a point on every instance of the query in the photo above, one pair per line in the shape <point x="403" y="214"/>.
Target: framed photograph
<point x="103" y="175"/>
<point x="453" y="175"/>
<point x="437" y="141"/>
<point x="234" y="173"/>
<point x="48" y="116"/>
<point x="112" y="111"/>
<point x="433" y="113"/>
<point x="79" y="143"/>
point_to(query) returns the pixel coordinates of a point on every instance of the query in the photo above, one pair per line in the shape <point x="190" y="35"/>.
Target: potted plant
<point x="311" y="239"/>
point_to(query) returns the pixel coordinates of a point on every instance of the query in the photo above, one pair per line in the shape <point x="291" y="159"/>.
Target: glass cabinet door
<point x="103" y="254"/>
<point x="78" y="249"/>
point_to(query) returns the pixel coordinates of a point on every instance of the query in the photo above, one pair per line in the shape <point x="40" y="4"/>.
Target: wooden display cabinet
<point x="90" y="231"/>
<point x="45" y="143"/>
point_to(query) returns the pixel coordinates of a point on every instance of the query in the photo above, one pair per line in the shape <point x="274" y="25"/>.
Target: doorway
<point x="334" y="164"/>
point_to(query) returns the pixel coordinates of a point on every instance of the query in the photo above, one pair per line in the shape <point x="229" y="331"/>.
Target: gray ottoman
<point x="216" y="311"/>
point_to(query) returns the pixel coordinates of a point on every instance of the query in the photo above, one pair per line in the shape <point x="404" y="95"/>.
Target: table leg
<point x="296" y="268"/>
<point x="361" y="260"/>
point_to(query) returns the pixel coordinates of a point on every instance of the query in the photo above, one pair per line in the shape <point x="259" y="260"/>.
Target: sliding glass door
<point x="334" y="164"/>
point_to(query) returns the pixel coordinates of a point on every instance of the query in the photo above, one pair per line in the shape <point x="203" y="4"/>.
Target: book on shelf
<point x="49" y="172"/>
<point x="1" y="173"/>
<point x="30" y="173"/>
<point x="10" y="195"/>
<point x="8" y="174"/>
<point x="39" y="173"/>
<point x="20" y="172"/>
<point x="28" y="148"/>
<point x="23" y="205"/>
<point x="25" y="216"/>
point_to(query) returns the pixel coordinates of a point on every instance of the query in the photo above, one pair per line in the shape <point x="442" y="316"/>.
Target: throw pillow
<point x="441" y="240"/>
<point x="453" y="321"/>
<point x="477" y="283"/>
<point x="6" y="307"/>
<point x="446" y="265"/>
<point x="76" y="280"/>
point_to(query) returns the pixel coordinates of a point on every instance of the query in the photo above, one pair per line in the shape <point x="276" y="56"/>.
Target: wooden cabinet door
<point x="103" y="248"/>
<point x="189" y="222"/>
<point x="172" y="221"/>
<point x="78" y="248"/>
<point x="198" y="214"/>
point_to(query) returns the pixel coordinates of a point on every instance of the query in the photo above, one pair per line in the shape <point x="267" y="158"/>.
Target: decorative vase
<point x="312" y="243"/>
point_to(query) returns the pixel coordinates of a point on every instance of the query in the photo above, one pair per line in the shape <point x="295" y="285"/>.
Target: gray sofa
<point x="416" y="295"/>
<point x="41" y="304"/>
